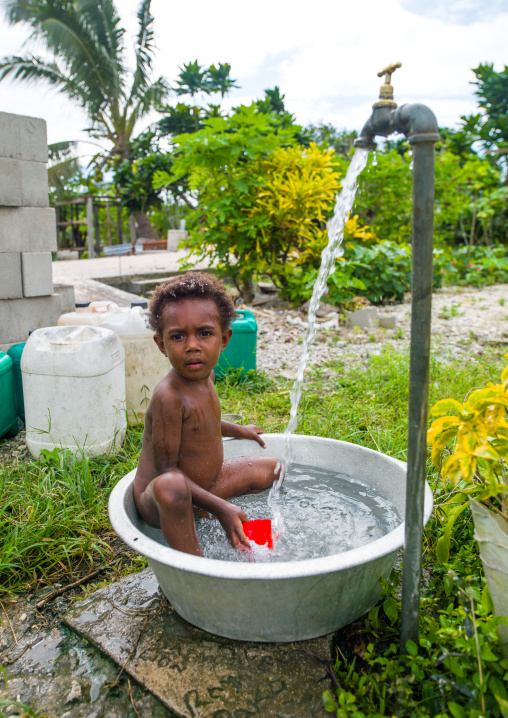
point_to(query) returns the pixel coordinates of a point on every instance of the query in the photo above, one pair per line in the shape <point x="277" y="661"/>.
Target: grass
<point x="54" y="527"/>
<point x="53" y="517"/>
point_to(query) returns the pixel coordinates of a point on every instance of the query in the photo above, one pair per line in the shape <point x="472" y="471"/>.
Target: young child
<point x="182" y="465"/>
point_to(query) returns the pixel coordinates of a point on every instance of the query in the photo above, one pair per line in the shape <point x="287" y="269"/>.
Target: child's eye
<point x="176" y="337"/>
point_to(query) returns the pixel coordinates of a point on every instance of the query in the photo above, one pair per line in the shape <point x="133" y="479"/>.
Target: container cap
<point x="81" y="305"/>
<point x="143" y="304"/>
<point x="246" y="322"/>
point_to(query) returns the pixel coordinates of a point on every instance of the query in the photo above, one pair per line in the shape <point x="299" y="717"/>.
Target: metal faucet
<point x="418" y="123"/>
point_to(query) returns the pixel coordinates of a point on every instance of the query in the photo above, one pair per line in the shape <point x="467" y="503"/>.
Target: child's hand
<point x="253" y="432"/>
<point x="231" y="518"/>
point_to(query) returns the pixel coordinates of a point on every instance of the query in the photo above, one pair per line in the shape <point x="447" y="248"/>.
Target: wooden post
<point x="89" y="225"/>
<point x="97" y="229"/>
<point x="119" y="222"/>
<point x="108" y="224"/>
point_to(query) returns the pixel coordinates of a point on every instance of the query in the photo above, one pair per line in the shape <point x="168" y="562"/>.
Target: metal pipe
<point x="419" y="124"/>
<point x="421" y="299"/>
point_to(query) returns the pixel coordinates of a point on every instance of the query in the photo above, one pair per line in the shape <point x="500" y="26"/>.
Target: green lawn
<point x="54" y="527"/>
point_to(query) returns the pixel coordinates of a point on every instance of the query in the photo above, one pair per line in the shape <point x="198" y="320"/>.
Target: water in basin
<point x="324" y="513"/>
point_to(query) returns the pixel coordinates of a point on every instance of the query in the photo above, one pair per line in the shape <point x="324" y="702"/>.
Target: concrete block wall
<point x="27" y="231"/>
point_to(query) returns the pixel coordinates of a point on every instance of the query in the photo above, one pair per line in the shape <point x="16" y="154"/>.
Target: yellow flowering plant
<point x="476" y="467"/>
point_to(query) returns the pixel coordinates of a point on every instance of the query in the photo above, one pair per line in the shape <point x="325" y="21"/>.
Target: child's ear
<point x="158" y="340"/>
<point x="226" y="336"/>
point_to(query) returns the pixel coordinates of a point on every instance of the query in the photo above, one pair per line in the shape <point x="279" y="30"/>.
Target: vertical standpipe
<point x="421" y="305"/>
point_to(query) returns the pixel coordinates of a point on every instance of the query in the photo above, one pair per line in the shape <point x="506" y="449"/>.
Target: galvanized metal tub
<point x="288" y="601"/>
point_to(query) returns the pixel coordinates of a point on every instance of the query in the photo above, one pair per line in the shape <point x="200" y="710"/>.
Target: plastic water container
<point x="74" y="390"/>
<point x="240" y="353"/>
<point x="93" y="314"/>
<point x="8" y="416"/>
<point x="145" y="365"/>
<point x="15" y="353"/>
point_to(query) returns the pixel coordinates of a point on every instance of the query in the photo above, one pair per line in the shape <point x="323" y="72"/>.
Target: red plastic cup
<point x="259" y="531"/>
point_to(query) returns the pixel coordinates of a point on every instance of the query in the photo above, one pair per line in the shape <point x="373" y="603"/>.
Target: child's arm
<point x="250" y="431"/>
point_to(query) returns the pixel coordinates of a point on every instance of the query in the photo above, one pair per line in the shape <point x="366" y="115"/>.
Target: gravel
<point x="464" y="321"/>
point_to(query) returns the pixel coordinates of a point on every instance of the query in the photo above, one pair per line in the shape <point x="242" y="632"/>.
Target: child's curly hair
<point x="193" y="285"/>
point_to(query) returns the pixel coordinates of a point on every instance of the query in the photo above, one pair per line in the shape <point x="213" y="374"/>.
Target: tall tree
<point x="85" y="59"/>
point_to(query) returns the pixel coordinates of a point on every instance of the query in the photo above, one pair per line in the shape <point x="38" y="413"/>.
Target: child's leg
<point x="245" y="475"/>
<point x="166" y="503"/>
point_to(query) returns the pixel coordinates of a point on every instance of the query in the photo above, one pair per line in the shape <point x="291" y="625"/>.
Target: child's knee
<point x="171" y="490"/>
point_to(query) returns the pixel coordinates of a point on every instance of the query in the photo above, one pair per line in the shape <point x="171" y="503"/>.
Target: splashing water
<point x="335" y="227"/>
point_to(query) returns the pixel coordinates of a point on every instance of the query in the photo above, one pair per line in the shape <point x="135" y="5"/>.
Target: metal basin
<point x="288" y="601"/>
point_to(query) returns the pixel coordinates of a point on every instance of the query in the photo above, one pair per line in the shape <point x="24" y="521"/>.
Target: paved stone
<point x="137" y="264"/>
<point x="193" y="672"/>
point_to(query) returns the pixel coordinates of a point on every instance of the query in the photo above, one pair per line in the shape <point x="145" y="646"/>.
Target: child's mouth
<point x="194" y="365"/>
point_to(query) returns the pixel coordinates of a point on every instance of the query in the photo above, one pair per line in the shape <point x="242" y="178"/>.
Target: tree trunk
<point x="145" y="229"/>
<point x="247" y="290"/>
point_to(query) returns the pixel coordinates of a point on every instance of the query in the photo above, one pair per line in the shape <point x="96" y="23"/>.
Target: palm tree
<point x="86" y="61"/>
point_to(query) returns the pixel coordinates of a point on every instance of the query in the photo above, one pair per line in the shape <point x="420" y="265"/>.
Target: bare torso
<point x="182" y="430"/>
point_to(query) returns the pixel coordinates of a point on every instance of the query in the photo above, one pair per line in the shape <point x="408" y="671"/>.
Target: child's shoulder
<point x="167" y="391"/>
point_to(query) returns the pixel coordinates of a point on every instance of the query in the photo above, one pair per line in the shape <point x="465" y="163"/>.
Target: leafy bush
<point x="456" y="669"/>
<point x="477" y="466"/>
<point x="474" y="266"/>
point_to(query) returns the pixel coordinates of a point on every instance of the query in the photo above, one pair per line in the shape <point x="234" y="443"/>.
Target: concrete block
<point x="175" y="236"/>
<point x="23" y="138"/>
<point x="27" y="229"/>
<point x="387" y="321"/>
<point x="67" y="299"/>
<point x="365" y="318"/>
<point x="19" y="316"/>
<point x="37" y="275"/>
<point x="23" y="184"/>
<point x="10" y="275"/>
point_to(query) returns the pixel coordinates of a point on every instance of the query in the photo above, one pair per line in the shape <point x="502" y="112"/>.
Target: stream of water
<point x="343" y="206"/>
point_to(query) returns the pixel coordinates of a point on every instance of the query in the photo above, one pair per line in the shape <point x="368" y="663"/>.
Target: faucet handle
<point x="386" y="92"/>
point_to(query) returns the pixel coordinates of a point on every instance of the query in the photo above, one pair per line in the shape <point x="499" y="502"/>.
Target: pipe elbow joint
<point x="417" y="122"/>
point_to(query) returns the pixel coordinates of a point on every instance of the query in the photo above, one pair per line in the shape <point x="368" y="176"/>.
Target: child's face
<point x="192" y="337"/>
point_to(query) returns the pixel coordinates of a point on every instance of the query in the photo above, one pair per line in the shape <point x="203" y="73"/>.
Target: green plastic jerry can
<point x="240" y="353"/>
<point x="15" y="353"/>
<point x="8" y="416"/>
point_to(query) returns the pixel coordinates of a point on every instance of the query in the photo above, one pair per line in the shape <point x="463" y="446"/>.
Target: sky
<point x="323" y="54"/>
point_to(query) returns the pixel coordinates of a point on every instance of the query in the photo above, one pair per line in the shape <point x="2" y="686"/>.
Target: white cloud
<point x="323" y="54"/>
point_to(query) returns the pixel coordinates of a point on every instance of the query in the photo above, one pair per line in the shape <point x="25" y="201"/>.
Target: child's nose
<point x="192" y="342"/>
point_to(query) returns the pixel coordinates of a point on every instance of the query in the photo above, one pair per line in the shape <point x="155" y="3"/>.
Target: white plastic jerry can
<point x="145" y="365"/>
<point x="74" y="390"/>
<point x="93" y="314"/>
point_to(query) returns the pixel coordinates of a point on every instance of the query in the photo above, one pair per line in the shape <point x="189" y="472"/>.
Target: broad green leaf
<point x="391" y="608"/>
<point x="446" y="405"/>
<point x="411" y="647"/>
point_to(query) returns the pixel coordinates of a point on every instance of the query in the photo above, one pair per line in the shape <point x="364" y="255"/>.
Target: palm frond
<point x="144" y="52"/>
<point x="150" y="97"/>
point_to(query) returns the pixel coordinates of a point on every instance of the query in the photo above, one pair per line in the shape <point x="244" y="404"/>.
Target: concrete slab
<point x="23" y="138"/>
<point x="97" y="268"/>
<point x="89" y="290"/>
<point x="27" y="229"/>
<point x="192" y="672"/>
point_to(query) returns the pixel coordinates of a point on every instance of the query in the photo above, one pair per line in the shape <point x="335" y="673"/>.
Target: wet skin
<point x="182" y="465"/>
